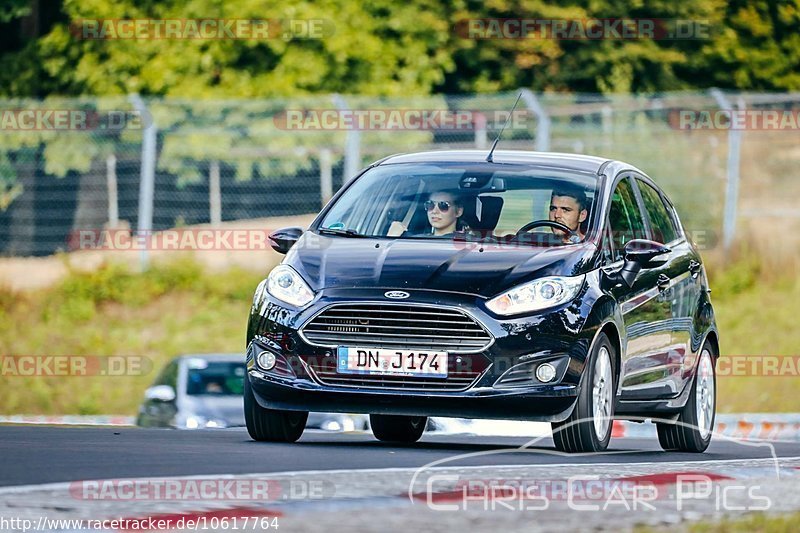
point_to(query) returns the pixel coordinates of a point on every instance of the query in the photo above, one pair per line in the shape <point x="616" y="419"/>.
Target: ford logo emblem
<point x="396" y="295"/>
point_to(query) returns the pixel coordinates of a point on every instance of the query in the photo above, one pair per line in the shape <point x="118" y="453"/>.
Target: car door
<point x="646" y="313"/>
<point x="684" y="291"/>
<point x="161" y="413"/>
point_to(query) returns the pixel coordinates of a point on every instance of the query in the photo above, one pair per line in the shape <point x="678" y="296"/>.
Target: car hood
<point x="340" y="262"/>
<point x="227" y="408"/>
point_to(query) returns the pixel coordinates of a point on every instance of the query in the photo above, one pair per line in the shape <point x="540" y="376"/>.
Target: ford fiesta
<point x="527" y="286"/>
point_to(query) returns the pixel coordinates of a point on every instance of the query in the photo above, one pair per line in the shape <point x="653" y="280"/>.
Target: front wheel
<point x="588" y="429"/>
<point x="692" y="431"/>
<point x="271" y="425"/>
<point x="397" y="428"/>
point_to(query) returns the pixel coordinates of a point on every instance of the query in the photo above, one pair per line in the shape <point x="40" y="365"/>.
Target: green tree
<point x="390" y="47"/>
<point x="605" y="65"/>
<point x="384" y="47"/>
<point x="757" y="48"/>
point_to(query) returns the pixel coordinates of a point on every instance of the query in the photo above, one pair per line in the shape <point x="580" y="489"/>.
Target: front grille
<point x="402" y="326"/>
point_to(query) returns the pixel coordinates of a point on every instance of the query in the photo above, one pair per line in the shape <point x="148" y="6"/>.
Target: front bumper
<point x="551" y="405"/>
<point x="556" y="336"/>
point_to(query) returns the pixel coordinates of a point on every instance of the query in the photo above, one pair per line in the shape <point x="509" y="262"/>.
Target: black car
<point x="547" y="287"/>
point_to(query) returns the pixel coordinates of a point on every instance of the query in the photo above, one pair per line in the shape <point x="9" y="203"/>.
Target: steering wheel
<point x="548" y="223"/>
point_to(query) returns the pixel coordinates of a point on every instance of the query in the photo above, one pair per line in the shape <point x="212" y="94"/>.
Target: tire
<point x="694" y="426"/>
<point x="271" y="425"/>
<point x="588" y="429"/>
<point x="398" y="428"/>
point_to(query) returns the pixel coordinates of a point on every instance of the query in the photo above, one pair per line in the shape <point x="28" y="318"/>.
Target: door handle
<point x="694" y="268"/>
<point x="663" y="282"/>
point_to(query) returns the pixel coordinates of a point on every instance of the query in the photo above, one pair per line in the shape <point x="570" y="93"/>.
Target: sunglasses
<point x="443" y="206"/>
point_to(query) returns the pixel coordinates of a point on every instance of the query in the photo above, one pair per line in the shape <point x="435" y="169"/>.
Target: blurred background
<point x="203" y="142"/>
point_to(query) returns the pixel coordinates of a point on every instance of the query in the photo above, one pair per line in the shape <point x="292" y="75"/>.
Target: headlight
<point x="259" y="294"/>
<point x="536" y="295"/>
<point x="286" y="285"/>
<point x="199" y="422"/>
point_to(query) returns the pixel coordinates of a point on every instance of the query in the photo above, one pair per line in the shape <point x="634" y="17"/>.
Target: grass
<point x="169" y="310"/>
<point x="756" y="523"/>
<point x="752" y="523"/>
<point x="757" y="310"/>
<point x="178" y="308"/>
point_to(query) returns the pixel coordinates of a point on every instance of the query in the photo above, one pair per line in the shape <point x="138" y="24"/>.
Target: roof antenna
<point x="489" y="158"/>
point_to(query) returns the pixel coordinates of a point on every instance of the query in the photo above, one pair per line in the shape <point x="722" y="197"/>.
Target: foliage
<point x="14" y="9"/>
<point x="758" y="47"/>
<point x="399" y="51"/>
<point x="395" y="48"/>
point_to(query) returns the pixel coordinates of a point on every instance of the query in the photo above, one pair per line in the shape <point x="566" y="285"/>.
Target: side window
<point x="673" y="216"/>
<point x="624" y="217"/>
<point x="661" y="222"/>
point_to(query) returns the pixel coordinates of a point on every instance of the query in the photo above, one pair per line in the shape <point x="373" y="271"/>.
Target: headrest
<point x="483" y="212"/>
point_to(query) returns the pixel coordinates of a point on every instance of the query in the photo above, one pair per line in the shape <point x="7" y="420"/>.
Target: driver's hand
<point x="396" y="229"/>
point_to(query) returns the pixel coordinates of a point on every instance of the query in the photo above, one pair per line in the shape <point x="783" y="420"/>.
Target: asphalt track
<point x="34" y="455"/>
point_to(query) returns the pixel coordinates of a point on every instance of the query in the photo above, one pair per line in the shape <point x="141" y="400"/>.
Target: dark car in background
<point x="567" y="292"/>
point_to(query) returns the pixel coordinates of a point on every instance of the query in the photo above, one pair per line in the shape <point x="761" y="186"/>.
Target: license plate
<point x="388" y="362"/>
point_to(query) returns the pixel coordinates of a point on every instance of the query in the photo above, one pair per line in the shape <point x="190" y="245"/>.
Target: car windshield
<point x="218" y="378"/>
<point x="469" y="200"/>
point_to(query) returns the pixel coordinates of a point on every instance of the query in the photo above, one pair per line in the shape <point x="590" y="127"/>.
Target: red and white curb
<point x="69" y="420"/>
<point x="761" y="426"/>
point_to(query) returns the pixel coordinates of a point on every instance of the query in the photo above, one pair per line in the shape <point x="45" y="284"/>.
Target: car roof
<point x="584" y="163"/>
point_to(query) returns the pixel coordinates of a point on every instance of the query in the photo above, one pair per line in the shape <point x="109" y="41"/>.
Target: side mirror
<point x="283" y="239"/>
<point x="639" y="254"/>
<point x="160" y="393"/>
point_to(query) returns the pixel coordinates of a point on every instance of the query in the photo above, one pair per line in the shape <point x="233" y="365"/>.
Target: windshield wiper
<point x="340" y="232"/>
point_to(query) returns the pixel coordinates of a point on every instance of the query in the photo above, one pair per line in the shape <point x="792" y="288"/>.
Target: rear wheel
<point x="588" y="429"/>
<point x="692" y="430"/>
<point x="397" y="428"/>
<point x="272" y="425"/>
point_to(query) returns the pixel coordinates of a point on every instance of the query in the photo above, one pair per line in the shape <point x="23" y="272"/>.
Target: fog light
<point x="266" y="360"/>
<point x="545" y="372"/>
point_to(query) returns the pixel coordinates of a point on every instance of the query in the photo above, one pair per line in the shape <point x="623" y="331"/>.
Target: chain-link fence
<point x="78" y="164"/>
